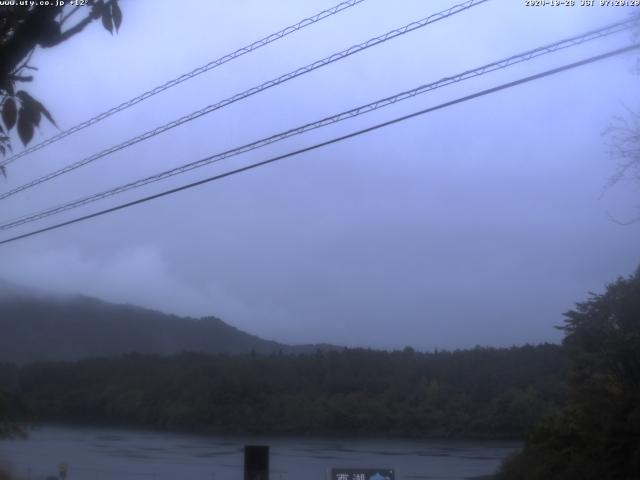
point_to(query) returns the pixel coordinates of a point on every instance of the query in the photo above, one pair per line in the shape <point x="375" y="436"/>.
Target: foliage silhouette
<point x="485" y="392"/>
<point x="597" y="433"/>
<point x="22" y="30"/>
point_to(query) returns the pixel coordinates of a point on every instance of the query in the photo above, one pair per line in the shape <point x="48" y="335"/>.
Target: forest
<point x="487" y="392"/>
<point x="596" y="433"/>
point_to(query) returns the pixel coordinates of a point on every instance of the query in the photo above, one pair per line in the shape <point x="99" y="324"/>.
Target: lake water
<point x="110" y="454"/>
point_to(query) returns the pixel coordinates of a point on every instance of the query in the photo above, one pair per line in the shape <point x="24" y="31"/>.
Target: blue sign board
<point x="363" y="474"/>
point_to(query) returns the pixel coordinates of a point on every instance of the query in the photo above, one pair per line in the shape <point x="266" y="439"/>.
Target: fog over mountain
<point x="37" y="326"/>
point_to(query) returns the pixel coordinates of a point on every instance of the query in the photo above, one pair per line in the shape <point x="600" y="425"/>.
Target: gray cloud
<point x="478" y="224"/>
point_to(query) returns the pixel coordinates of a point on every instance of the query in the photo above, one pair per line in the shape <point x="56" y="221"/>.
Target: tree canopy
<point x="597" y="434"/>
<point x="22" y="30"/>
<point x="487" y="392"/>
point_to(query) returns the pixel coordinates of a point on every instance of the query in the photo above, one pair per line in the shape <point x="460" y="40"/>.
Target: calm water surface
<point x="109" y="454"/>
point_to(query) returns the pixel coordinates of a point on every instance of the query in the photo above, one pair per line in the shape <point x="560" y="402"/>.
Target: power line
<point x="252" y="91"/>
<point x="183" y="78"/>
<point x="332" y="141"/>
<point x="488" y="68"/>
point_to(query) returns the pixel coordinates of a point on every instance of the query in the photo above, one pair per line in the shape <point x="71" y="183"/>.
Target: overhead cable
<point x="329" y="142"/>
<point x="187" y="76"/>
<point x="354" y="112"/>
<point x="252" y="91"/>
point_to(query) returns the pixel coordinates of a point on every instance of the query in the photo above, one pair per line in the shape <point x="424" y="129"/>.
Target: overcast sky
<point x="478" y="224"/>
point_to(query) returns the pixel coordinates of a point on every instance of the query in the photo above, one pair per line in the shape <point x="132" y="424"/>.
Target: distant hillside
<point x="36" y="327"/>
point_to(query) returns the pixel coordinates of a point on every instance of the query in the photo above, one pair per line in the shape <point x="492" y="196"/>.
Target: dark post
<point x="256" y="462"/>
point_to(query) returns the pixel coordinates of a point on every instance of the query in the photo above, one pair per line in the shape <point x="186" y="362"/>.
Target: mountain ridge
<point x="37" y="326"/>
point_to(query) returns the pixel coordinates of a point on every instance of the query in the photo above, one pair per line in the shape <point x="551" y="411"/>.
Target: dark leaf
<point x="117" y="14"/>
<point x="46" y="113"/>
<point x="29" y="108"/>
<point x="107" y="20"/>
<point x="22" y="78"/>
<point x="3" y="150"/>
<point x="25" y="126"/>
<point x="9" y="113"/>
<point x="34" y="113"/>
<point x="3" y="170"/>
<point x="34" y="107"/>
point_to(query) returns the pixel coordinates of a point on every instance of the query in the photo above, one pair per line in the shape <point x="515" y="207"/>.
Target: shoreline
<point x="346" y="436"/>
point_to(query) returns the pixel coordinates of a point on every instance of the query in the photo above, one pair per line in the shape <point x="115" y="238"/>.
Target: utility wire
<point x="183" y="78"/>
<point x="332" y="141"/>
<point x="485" y="69"/>
<point x="252" y="91"/>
